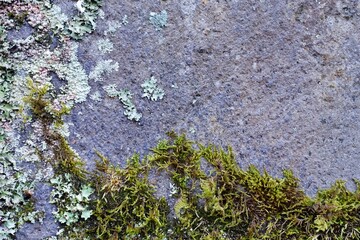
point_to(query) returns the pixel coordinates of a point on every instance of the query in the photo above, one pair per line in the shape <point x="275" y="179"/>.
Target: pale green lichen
<point x="15" y="193"/>
<point x="62" y="129"/>
<point x="102" y="68"/>
<point x="4" y="46"/>
<point x="101" y="14"/>
<point x="77" y="87"/>
<point x="32" y="56"/>
<point x="192" y="130"/>
<point x="72" y="201"/>
<point x="68" y="68"/>
<point x="105" y="46"/>
<point x="79" y="6"/>
<point x="159" y="20"/>
<point x="125" y="20"/>
<point x="230" y="203"/>
<point x="126" y="99"/>
<point x="85" y="22"/>
<point x="111" y="90"/>
<point x="56" y="18"/>
<point x="151" y="90"/>
<point x="6" y="108"/>
<point x="16" y="206"/>
<point x="113" y="26"/>
<point x="96" y="96"/>
<point x="130" y="110"/>
<point x="44" y="15"/>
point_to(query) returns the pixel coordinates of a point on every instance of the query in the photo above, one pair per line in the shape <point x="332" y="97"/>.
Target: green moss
<point x="71" y="191"/>
<point x="126" y="207"/>
<point x="120" y="203"/>
<point x="36" y="100"/>
<point x="226" y="203"/>
<point x="64" y="159"/>
<point x="16" y="187"/>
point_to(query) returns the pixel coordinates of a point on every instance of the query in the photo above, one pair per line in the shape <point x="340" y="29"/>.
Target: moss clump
<point x="126" y="207"/>
<point x="250" y="205"/>
<point x="64" y="159"/>
<point x="224" y="203"/>
<point x="71" y="191"/>
<point x="39" y="101"/>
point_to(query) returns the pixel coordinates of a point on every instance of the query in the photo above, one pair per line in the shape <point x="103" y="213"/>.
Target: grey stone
<point x="48" y="227"/>
<point x="22" y="33"/>
<point x="278" y="82"/>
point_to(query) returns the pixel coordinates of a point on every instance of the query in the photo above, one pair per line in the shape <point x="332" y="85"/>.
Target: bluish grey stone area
<point x="278" y="82"/>
<point x="48" y="227"/>
<point x="20" y="34"/>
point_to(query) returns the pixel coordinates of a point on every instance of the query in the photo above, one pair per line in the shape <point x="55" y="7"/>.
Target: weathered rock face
<point x="277" y="81"/>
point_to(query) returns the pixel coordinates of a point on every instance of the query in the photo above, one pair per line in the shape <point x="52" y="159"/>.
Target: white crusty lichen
<point x="126" y="99"/>
<point x="78" y="87"/>
<point x="159" y="20"/>
<point x="103" y="67"/>
<point x="96" y="96"/>
<point x="105" y="46"/>
<point x="56" y="18"/>
<point x="112" y="27"/>
<point x="125" y="20"/>
<point x="79" y="6"/>
<point x="68" y="68"/>
<point x="151" y="90"/>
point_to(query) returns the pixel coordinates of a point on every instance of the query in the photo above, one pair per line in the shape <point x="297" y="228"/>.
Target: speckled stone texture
<point x="48" y="227"/>
<point x="279" y="81"/>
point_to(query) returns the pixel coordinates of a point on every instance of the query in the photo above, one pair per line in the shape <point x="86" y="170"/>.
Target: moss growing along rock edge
<point x="115" y="203"/>
<point x="226" y="202"/>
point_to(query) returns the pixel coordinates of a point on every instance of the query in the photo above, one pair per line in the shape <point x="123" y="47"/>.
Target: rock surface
<point x="277" y="81"/>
